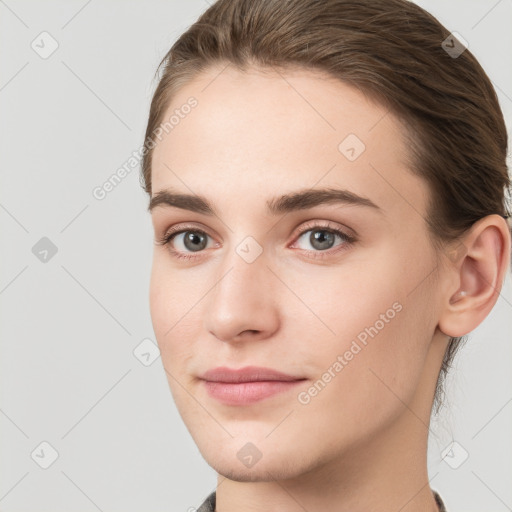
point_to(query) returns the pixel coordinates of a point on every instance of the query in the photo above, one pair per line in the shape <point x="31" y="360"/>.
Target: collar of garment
<point x="208" y="504"/>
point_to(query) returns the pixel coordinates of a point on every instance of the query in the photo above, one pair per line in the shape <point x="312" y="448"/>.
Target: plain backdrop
<point x="74" y="275"/>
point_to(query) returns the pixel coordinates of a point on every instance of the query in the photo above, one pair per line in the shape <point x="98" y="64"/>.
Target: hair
<point x="390" y="50"/>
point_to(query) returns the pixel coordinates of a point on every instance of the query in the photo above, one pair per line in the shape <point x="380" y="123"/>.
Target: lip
<point x="246" y="374"/>
<point x="247" y="385"/>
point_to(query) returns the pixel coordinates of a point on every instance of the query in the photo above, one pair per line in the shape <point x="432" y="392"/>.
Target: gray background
<point x="69" y="325"/>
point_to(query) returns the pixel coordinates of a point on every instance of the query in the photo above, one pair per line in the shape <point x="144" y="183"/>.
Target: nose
<point x="242" y="304"/>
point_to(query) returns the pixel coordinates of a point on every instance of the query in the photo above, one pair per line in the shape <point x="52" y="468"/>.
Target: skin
<point x="362" y="441"/>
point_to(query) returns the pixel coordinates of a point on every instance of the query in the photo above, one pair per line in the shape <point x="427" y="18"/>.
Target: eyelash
<point x="347" y="239"/>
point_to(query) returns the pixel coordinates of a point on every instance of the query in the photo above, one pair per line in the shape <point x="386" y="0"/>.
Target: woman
<point x="327" y="189"/>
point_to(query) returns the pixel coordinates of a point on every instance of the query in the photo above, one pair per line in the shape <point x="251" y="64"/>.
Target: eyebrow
<point x="298" y="200"/>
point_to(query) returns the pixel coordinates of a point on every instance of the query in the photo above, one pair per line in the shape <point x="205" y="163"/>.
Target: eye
<point x="188" y="242"/>
<point x="191" y="240"/>
<point x="323" y="238"/>
<point x="185" y="241"/>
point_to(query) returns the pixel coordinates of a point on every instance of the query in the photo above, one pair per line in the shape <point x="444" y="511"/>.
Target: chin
<point x="242" y="476"/>
<point x="261" y="472"/>
<point x="227" y="460"/>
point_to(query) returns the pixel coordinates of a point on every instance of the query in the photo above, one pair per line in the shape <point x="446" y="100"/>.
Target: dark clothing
<point x="208" y="505"/>
<point x="439" y="502"/>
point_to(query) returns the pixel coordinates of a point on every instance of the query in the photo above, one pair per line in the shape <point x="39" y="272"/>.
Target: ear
<point x="478" y="265"/>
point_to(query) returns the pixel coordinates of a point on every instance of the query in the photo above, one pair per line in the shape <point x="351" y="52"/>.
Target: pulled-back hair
<point x="395" y="53"/>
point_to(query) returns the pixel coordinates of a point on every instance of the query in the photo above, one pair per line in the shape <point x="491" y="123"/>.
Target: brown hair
<point x="392" y="51"/>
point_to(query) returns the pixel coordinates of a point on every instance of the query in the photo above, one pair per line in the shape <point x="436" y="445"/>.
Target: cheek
<point x="165" y="304"/>
<point x="158" y="298"/>
<point x="174" y="299"/>
<point x="375" y="337"/>
<point x="346" y="300"/>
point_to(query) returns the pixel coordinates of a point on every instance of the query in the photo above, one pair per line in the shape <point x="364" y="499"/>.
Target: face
<point x="336" y="290"/>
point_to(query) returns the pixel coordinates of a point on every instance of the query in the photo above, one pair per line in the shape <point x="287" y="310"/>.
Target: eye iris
<point x="325" y="239"/>
<point x="191" y="238"/>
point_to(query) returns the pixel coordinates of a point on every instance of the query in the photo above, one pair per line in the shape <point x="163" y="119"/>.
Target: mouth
<point x="247" y="385"/>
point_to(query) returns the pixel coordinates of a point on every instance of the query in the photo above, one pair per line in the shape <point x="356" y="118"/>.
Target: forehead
<point x="309" y="103"/>
<point x="264" y="130"/>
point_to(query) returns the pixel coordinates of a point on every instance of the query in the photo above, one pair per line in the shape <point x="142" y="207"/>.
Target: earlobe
<point x="456" y="319"/>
